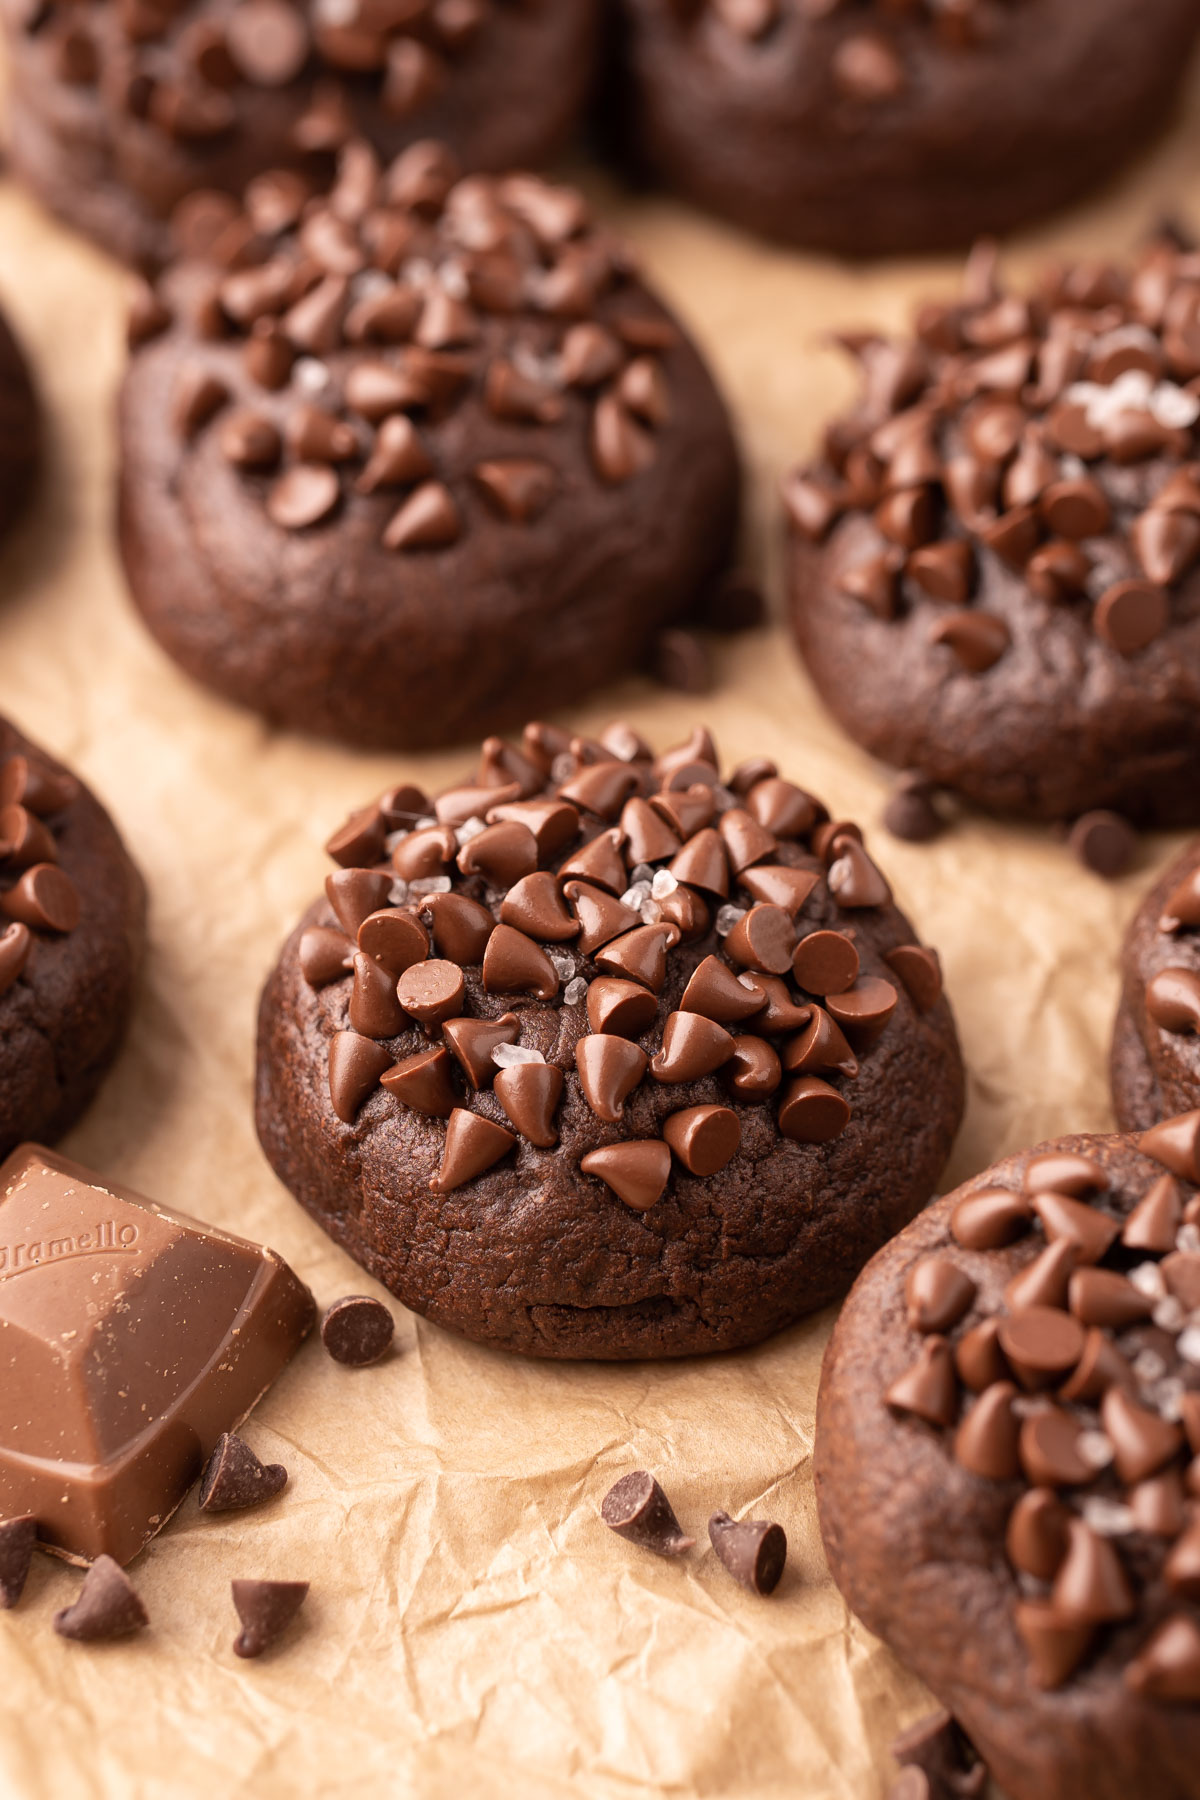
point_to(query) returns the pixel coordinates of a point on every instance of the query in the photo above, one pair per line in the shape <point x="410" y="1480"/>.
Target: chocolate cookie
<point x="994" y="565"/>
<point x="72" y="924"/>
<point x="1156" y="1040"/>
<point x="20" y="430"/>
<point x="401" y="461"/>
<point x="599" y="1055"/>
<point x="121" y="114"/>
<point x="1007" y="1466"/>
<point x="883" y="126"/>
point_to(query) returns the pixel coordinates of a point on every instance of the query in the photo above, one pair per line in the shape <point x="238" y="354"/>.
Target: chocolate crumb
<point x="266" y="1609"/>
<point x="17" y="1538"/>
<point x="1104" y="843"/>
<point x="910" y="812"/>
<point x="938" y="1747"/>
<point x="753" y="1550"/>
<point x="636" y="1508"/>
<point x="234" y="1478"/>
<point x="682" y="662"/>
<point x="735" y="604"/>
<point x="357" y="1331"/>
<point x="107" y="1607"/>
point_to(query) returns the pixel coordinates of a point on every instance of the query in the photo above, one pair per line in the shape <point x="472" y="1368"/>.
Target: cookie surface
<point x="435" y="453"/>
<point x="995" y="565"/>
<point x="20" y="430"/>
<point x="1156" y="1039"/>
<point x="1006" y="1475"/>
<point x="118" y="115"/>
<point x="72" y="924"/>
<point x="867" y="127"/>
<point x="631" y="1127"/>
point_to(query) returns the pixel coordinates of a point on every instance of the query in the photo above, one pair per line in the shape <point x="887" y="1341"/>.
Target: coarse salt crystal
<point x="511" y="1056"/>
<point x="1168" y="1315"/>
<point x="1149" y="1366"/>
<point x="664" y="883"/>
<point x="563" y="963"/>
<point x="1095" y="1449"/>
<point x="1188" y="1237"/>
<point x="1107" y="1517"/>
<point x="310" y="375"/>
<point x="635" y="897"/>
<point x="575" y="991"/>
<point x="727" y="918"/>
<point x="1188" y="1344"/>
<point x="430" y="884"/>
<point x="1147" y="1278"/>
<point x="469" y="829"/>
<point x="399" y="892"/>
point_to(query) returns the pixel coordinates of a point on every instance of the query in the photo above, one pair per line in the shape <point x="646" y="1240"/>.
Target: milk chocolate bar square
<point x="131" y="1337"/>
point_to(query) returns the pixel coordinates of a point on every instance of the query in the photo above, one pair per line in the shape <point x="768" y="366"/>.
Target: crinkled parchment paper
<point x="473" y="1629"/>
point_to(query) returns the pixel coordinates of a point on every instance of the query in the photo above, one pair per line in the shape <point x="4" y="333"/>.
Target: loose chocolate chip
<point x="17" y="1539"/>
<point x="910" y="813"/>
<point x="636" y="1508"/>
<point x="736" y="604"/>
<point x="106" y="1607"/>
<point x="234" y="1478"/>
<point x="266" y="1609"/>
<point x="681" y="662"/>
<point x="357" y="1330"/>
<point x="938" y="1747"/>
<point x="1104" y="843"/>
<point x="753" y="1550"/>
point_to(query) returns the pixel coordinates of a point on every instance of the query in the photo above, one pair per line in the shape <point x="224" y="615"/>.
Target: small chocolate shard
<point x="753" y="1550"/>
<point x="17" y="1538"/>
<point x="357" y="1330"/>
<point x="107" y="1606"/>
<point x="266" y="1609"/>
<point x="938" y="1746"/>
<point x="636" y="1508"/>
<point x="234" y="1478"/>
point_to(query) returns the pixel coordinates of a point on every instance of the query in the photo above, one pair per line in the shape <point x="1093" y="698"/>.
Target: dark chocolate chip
<point x="357" y="1330"/>
<point x="266" y="1609"/>
<point x="636" y="1508"/>
<point x="17" y="1538"/>
<point x="106" y="1607"/>
<point x="1104" y="843"/>
<point x="753" y="1550"/>
<point x="234" y="1477"/>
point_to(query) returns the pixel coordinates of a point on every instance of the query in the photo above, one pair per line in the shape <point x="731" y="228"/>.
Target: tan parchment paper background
<point x="473" y="1629"/>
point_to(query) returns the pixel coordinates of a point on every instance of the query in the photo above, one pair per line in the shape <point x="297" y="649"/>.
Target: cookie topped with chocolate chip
<point x="1008" y="1461"/>
<point x="136" y="121"/>
<point x="995" y="562"/>
<point x="1156" y="1040"/>
<point x="887" y="126"/>
<point x="602" y="1053"/>
<point x="72" y="926"/>
<point x="402" y="456"/>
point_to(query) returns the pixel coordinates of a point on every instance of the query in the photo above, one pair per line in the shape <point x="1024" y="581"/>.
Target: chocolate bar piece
<point x="131" y="1337"/>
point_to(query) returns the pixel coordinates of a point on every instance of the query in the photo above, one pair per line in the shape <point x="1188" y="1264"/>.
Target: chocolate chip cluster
<point x="36" y="896"/>
<point x="573" y="873"/>
<point x="367" y="316"/>
<point x="1081" y="1392"/>
<point x="1051" y="436"/>
<point x="195" y="71"/>
<point x="1173" y="995"/>
<point x="868" y="66"/>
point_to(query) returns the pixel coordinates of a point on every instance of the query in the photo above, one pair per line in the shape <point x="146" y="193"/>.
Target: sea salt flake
<point x="1107" y="1517"/>
<point x="309" y="375"/>
<point x="424" y="823"/>
<point x="399" y="892"/>
<point x="650" y="913"/>
<point x="1147" y="1278"/>
<point x="1095" y="1449"/>
<point x="469" y="829"/>
<point x="563" y="767"/>
<point x="635" y="897"/>
<point x="1188" y="1344"/>
<point x="563" y="963"/>
<point x="511" y="1056"/>
<point x="664" y="883"/>
<point x="1188" y="1237"/>
<point x="727" y="918"/>
<point x="453" y="278"/>
<point x="575" y="992"/>
<point x="1169" y="1315"/>
<point x="1167" y="1399"/>
<point x="1149" y="1366"/>
<point x="1173" y="407"/>
<point x="430" y="884"/>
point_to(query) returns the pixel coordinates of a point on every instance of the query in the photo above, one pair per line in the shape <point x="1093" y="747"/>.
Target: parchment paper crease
<point x="473" y="1629"/>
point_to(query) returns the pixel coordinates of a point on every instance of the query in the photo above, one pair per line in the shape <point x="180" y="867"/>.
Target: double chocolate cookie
<point x="20" y="430"/>
<point x="1008" y="1462"/>
<point x="995" y="564"/>
<point x="72" y="923"/>
<point x="880" y="126"/>
<point x="120" y="114"/>
<point x="602" y="1055"/>
<point x="401" y="459"/>
<point x="1156" y="1041"/>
